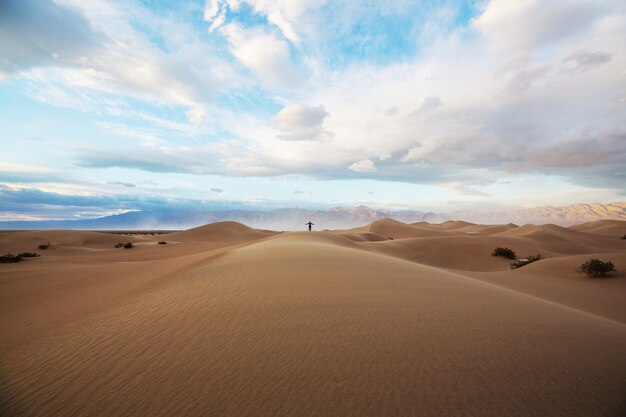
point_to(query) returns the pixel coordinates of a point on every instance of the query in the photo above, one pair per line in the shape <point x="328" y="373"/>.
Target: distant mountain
<point x="564" y="216"/>
<point x="334" y="218"/>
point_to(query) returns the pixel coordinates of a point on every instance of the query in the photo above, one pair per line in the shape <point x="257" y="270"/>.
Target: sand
<point x="390" y="319"/>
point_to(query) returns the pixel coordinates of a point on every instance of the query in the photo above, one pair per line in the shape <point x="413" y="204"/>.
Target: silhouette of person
<point x="310" y="224"/>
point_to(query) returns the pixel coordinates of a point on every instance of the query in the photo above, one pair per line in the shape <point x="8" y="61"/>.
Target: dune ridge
<point x="226" y="320"/>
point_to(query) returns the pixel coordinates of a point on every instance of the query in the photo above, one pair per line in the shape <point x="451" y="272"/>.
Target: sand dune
<point x="220" y="232"/>
<point x="225" y="320"/>
<point x="365" y="237"/>
<point x="398" y="230"/>
<point x="489" y="229"/>
<point x="529" y="229"/>
<point x="614" y="228"/>
<point x="472" y="251"/>
<point x="29" y="241"/>
<point x="555" y="279"/>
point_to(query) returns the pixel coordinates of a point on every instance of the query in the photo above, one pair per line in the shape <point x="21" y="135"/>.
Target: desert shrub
<point x="596" y="268"/>
<point x="29" y="255"/>
<point x="119" y="245"/>
<point x="128" y="245"/>
<point x="624" y="237"/>
<point x="162" y="243"/>
<point x="504" y="252"/>
<point x="525" y="261"/>
<point x="44" y="246"/>
<point x="9" y="258"/>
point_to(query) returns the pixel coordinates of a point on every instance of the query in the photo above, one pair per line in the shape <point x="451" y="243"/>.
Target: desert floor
<point x="389" y="319"/>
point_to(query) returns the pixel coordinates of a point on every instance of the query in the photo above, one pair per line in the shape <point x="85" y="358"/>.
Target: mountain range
<point x="334" y="218"/>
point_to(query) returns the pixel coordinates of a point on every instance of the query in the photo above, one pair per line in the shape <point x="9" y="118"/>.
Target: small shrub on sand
<point x="525" y="261"/>
<point x="624" y="237"/>
<point x="128" y="245"/>
<point x="29" y="255"/>
<point x="162" y="242"/>
<point x="44" y="246"/>
<point x="119" y="245"/>
<point x="9" y="258"/>
<point x="504" y="252"/>
<point x="594" y="268"/>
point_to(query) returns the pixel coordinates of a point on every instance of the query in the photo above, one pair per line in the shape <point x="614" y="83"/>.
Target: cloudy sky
<point x="108" y="106"/>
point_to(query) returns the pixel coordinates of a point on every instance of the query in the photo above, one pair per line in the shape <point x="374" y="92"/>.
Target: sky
<point x="111" y="106"/>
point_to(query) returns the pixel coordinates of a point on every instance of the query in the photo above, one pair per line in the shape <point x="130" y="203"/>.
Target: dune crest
<point x="614" y="228"/>
<point x="225" y="231"/>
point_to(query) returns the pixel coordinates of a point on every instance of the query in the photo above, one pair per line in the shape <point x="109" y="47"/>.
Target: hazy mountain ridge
<point x="334" y="218"/>
<point x="565" y="216"/>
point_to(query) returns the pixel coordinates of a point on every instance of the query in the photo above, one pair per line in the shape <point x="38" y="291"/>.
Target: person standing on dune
<point x="310" y="224"/>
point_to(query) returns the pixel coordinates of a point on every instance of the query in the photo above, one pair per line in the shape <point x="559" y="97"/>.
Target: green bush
<point x="119" y="245"/>
<point x="128" y="245"/>
<point x="162" y="243"/>
<point x="29" y="255"/>
<point x="9" y="258"/>
<point x="504" y="252"/>
<point x="44" y="246"/>
<point x="525" y="261"/>
<point x="596" y="268"/>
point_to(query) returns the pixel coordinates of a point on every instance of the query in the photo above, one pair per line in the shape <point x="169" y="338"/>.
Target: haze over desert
<point x="387" y="319"/>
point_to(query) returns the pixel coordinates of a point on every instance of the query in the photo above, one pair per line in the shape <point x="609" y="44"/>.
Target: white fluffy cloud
<point x="525" y="24"/>
<point x="266" y="56"/>
<point x="81" y="50"/>
<point x="301" y="122"/>
<point x="364" y="165"/>
<point x="284" y="14"/>
<point x="36" y="33"/>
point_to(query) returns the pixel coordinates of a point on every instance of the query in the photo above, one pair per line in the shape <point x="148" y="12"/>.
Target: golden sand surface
<point x="389" y="319"/>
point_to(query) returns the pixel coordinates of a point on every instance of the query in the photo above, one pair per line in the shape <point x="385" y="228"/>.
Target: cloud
<point x="528" y="24"/>
<point x="215" y="14"/>
<point x="123" y="184"/>
<point x="544" y="101"/>
<point x="147" y="137"/>
<point x="266" y="56"/>
<point x="301" y="122"/>
<point x="283" y="14"/>
<point x="21" y="173"/>
<point x="82" y="51"/>
<point x="414" y="154"/>
<point x="513" y="64"/>
<point x="41" y="33"/>
<point x="581" y="60"/>
<point x="212" y="9"/>
<point x="12" y="198"/>
<point x="508" y="112"/>
<point x="430" y="103"/>
<point x="196" y="116"/>
<point x="364" y="165"/>
<point x="217" y="190"/>
<point x="46" y="204"/>
<point x="148" y="161"/>
<point x="464" y="189"/>
<point x="392" y="111"/>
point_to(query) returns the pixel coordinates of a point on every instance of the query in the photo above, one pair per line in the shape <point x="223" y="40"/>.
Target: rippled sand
<point x="385" y="320"/>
